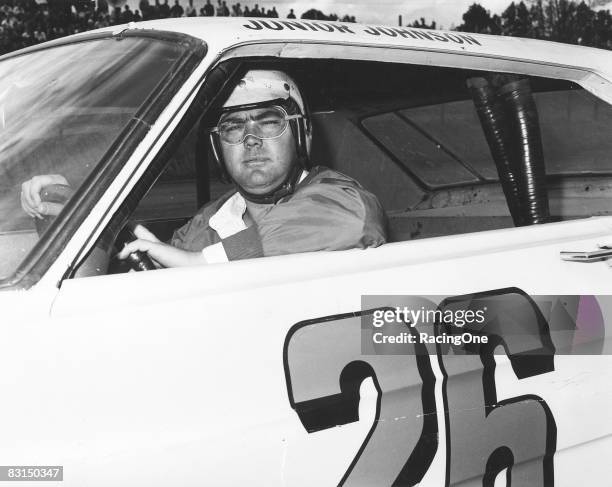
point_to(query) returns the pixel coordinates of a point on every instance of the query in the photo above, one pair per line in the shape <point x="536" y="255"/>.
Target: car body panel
<point x="115" y="364"/>
<point x="220" y="35"/>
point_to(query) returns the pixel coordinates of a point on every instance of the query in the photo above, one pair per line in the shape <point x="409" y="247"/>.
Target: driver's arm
<point x="165" y="254"/>
<point x="30" y="195"/>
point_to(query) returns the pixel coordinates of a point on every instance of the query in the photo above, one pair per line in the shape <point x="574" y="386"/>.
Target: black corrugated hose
<point x="493" y="120"/>
<point x="523" y="117"/>
<point x="509" y="118"/>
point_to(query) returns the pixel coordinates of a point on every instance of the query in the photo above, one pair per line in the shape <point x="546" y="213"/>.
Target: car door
<point x="189" y="365"/>
<point x="233" y="373"/>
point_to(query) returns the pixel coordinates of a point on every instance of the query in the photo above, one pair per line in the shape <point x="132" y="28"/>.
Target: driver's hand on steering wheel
<point x="164" y="254"/>
<point x="30" y="195"/>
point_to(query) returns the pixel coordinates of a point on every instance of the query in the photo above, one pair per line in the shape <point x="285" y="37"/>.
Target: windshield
<point x="61" y="109"/>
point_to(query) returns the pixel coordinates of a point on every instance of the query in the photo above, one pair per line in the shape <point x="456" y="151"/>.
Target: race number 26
<point x="324" y="367"/>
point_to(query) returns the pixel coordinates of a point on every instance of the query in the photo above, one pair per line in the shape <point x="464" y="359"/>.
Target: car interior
<point x="416" y="141"/>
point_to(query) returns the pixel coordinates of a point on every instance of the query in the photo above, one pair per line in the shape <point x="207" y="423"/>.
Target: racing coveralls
<point x="327" y="211"/>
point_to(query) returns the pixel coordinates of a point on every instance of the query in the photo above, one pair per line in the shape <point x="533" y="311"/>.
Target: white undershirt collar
<point x="228" y="219"/>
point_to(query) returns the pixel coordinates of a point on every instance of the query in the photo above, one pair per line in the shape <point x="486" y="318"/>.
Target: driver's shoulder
<point x="327" y="176"/>
<point x="323" y="183"/>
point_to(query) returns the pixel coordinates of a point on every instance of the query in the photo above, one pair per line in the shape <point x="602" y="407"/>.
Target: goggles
<point x="263" y="123"/>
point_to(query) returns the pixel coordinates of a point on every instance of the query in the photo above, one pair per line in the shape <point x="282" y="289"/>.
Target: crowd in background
<point x="26" y="22"/>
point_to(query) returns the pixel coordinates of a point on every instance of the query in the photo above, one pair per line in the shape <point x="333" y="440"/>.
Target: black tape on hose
<point x="495" y="126"/>
<point x="522" y="114"/>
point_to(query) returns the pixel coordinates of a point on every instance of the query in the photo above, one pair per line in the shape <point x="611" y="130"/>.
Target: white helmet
<point x="261" y="86"/>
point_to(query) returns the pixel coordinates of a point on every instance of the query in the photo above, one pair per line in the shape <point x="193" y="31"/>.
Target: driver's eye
<point x="233" y="125"/>
<point x="271" y="121"/>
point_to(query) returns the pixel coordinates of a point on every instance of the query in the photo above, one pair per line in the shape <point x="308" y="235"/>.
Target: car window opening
<point x="437" y="146"/>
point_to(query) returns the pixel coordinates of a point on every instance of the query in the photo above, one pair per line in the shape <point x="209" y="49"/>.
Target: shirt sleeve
<point x="332" y="214"/>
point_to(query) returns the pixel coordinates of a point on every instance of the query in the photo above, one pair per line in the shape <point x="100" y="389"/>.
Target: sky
<point x="446" y="13"/>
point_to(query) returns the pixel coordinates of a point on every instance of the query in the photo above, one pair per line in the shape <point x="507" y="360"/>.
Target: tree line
<point x="556" y="20"/>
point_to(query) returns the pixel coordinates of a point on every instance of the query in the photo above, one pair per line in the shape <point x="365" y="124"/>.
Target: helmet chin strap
<point x="272" y="197"/>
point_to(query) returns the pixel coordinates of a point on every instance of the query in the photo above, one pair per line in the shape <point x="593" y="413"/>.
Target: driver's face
<point x="260" y="165"/>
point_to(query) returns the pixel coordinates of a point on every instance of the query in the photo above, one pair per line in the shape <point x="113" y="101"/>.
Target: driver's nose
<point x="251" y="141"/>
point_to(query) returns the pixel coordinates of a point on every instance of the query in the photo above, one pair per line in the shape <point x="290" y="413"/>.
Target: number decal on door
<point x="325" y="364"/>
<point x="484" y="435"/>
<point x="324" y="368"/>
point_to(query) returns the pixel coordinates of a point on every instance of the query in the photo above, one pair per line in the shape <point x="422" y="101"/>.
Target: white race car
<point x="492" y="157"/>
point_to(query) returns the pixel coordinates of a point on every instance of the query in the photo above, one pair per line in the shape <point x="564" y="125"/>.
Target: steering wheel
<point x="53" y="193"/>
<point x="98" y="259"/>
<point x="138" y="261"/>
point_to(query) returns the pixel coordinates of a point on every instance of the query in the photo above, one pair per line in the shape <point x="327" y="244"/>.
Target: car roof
<point x="221" y="34"/>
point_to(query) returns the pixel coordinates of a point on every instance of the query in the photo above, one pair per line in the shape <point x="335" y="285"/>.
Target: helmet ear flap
<point x="215" y="145"/>
<point x="302" y="142"/>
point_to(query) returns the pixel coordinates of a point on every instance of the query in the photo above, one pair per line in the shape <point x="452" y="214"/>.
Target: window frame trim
<point x="590" y="79"/>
